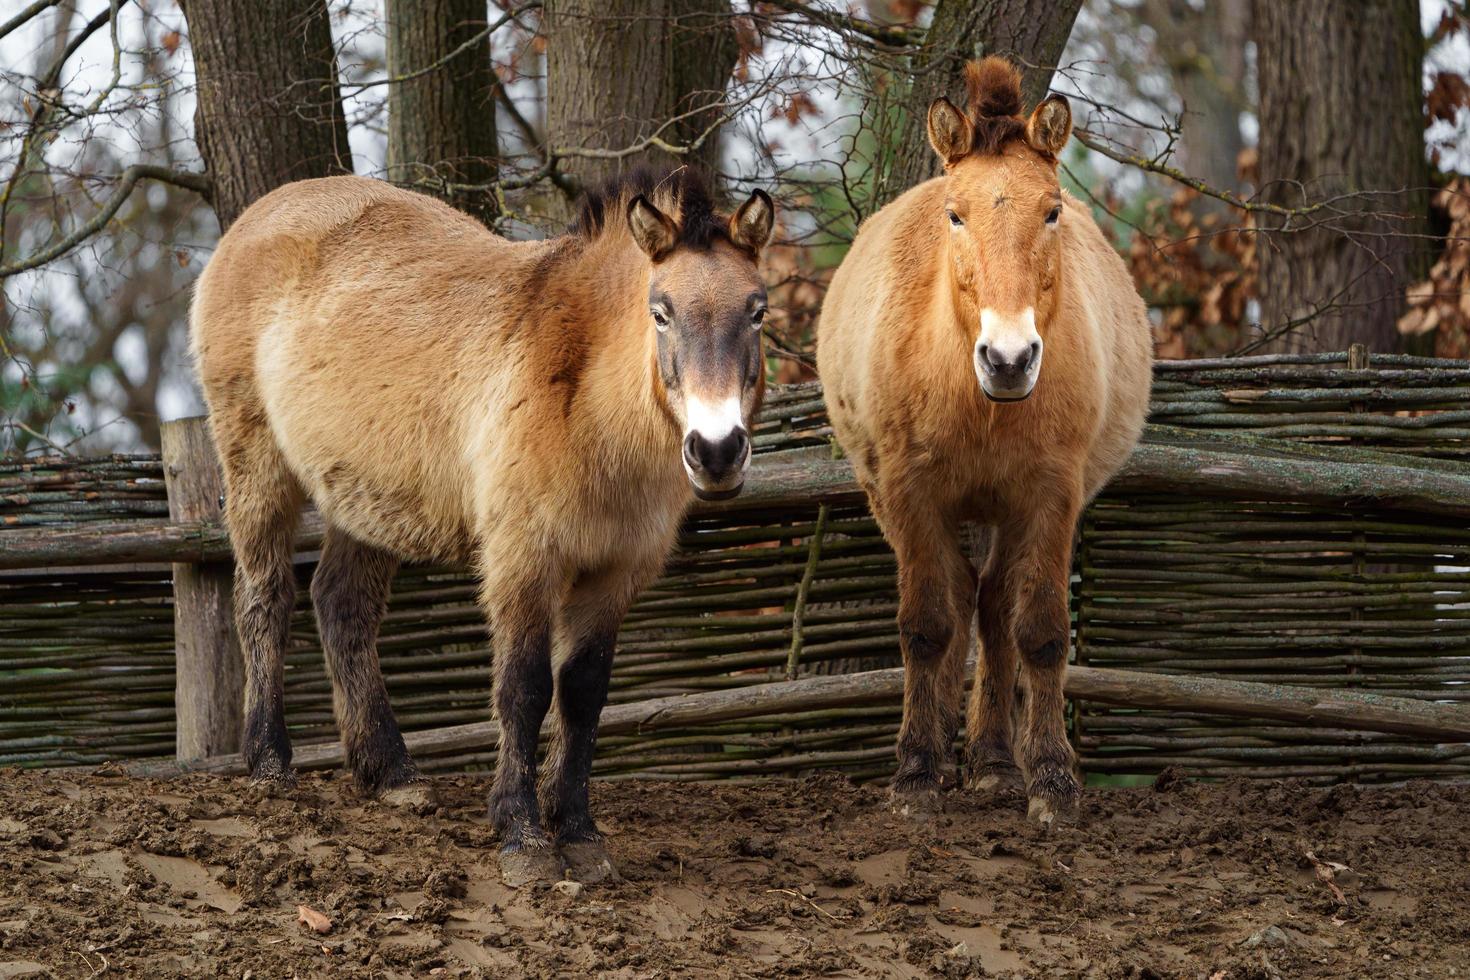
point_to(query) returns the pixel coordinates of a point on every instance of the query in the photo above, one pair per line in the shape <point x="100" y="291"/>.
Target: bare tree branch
<point x="896" y="37"/>
<point x="126" y="181"/>
<point x="468" y="45"/>
<point x="26" y="15"/>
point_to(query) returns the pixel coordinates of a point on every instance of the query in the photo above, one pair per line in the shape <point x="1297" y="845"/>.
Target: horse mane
<point x="993" y="86"/>
<point x="681" y="192"/>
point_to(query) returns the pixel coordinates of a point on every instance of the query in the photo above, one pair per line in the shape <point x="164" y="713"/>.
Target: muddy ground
<point x="101" y="874"/>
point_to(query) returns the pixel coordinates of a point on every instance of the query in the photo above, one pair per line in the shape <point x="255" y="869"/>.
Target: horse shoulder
<point x="870" y="346"/>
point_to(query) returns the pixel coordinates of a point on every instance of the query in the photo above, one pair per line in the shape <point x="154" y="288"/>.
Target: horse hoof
<point x="917" y="802"/>
<point x="1051" y="798"/>
<point x="273" y="777"/>
<point x="416" y="796"/>
<point x="995" y="777"/>
<point x="589" y="863"/>
<point x="527" y="864"/>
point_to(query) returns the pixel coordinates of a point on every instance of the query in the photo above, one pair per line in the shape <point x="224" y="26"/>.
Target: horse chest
<point x="634" y="515"/>
<point x="980" y="468"/>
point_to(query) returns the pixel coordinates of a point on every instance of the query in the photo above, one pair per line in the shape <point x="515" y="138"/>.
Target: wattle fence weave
<point x="1290" y="519"/>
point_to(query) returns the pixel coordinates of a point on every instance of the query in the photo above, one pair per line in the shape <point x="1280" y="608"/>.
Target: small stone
<point x="1273" y="936"/>
<point x="571" y="889"/>
<point x="960" y="950"/>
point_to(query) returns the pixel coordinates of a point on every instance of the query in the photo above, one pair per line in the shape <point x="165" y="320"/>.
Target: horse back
<point x="372" y="330"/>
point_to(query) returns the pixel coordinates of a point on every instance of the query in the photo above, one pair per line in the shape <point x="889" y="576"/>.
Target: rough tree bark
<point x="269" y="110"/>
<point x="1031" y="32"/>
<point x="702" y="52"/>
<point x="1341" y="112"/>
<point x="441" y="124"/>
<point x="618" y="70"/>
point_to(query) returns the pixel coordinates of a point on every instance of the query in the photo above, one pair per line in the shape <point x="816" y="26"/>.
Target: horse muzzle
<point x="1008" y="374"/>
<point x="716" y="467"/>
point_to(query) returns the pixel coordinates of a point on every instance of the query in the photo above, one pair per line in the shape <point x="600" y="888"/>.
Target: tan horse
<point x="986" y="358"/>
<point x="539" y="409"/>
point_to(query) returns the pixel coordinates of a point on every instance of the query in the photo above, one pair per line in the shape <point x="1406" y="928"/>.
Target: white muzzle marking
<point x="1005" y="342"/>
<point x="713" y="421"/>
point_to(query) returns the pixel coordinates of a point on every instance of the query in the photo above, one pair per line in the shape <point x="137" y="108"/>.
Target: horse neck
<point x="625" y="394"/>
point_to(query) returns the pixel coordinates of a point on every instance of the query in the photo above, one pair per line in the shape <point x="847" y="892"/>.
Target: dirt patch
<point x="204" y="876"/>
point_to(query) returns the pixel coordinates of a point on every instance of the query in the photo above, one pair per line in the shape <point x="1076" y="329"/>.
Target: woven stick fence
<point x="1289" y="520"/>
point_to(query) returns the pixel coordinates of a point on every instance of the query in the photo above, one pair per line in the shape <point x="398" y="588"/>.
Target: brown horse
<point x="538" y="409"/>
<point x="971" y="277"/>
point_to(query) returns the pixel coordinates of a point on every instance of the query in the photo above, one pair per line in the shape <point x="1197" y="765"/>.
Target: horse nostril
<point x="742" y="447"/>
<point x="1027" y="356"/>
<point x="717" y="457"/>
<point x="724" y="454"/>
<point x="986" y="358"/>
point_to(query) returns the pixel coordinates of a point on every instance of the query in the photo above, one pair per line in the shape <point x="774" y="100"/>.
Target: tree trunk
<point x="441" y="124"/>
<point x="702" y="55"/>
<point x="1031" y="32"/>
<point x="269" y="111"/>
<point x="1341" y="112"/>
<point x="1204" y="51"/>
<point x="618" y="72"/>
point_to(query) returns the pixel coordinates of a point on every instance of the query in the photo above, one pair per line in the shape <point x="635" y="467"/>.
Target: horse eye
<point x="758" y="317"/>
<point x="660" y="320"/>
<point x="954" y="219"/>
<point x="1054" y="214"/>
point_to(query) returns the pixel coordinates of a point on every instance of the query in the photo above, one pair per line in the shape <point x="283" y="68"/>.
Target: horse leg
<point x="963" y="584"/>
<point x="989" y="761"/>
<point x="1041" y="567"/>
<point x="350" y="593"/>
<point x="262" y="507"/>
<point x="583" y="658"/>
<point x="519" y="605"/>
<point x="930" y="563"/>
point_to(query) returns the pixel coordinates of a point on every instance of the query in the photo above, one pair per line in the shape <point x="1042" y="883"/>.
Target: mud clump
<point x="205" y="876"/>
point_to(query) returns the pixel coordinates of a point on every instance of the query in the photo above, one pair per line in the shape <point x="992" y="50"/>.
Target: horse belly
<point x="391" y="514"/>
<point x="369" y="463"/>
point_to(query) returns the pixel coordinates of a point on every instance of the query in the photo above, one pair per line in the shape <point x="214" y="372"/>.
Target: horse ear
<point x="750" y="226"/>
<point x="950" y="132"/>
<point x="653" y="230"/>
<point x="1050" y="125"/>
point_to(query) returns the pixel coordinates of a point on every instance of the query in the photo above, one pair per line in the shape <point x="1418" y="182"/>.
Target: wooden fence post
<point x="209" y="688"/>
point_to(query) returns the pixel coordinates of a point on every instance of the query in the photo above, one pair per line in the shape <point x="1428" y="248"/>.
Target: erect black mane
<point x="994" y="87"/>
<point x="683" y="193"/>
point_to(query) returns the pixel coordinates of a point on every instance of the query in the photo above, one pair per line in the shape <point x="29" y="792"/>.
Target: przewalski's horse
<point x="538" y="409"/>
<point x="986" y="358"/>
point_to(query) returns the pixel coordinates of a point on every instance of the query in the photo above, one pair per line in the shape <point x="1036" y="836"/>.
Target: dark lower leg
<point x="581" y="691"/>
<point x="264" y="596"/>
<point x="349" y="591"/>
<point x="988" y="754"/>
<point x="952" y="680"/>
<point x="523" y="691"/>
<point x="1042" y="631"/>
<point x="926" y="630"/>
